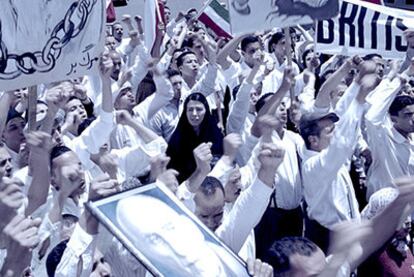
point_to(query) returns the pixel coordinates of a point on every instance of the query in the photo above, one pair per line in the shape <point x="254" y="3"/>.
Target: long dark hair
<point x="185" y="139"/>
<point x="184" y="123"/>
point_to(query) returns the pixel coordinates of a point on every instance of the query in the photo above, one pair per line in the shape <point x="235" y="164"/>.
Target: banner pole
<point x="289" y="58"/>
<point x="31" y="107"/>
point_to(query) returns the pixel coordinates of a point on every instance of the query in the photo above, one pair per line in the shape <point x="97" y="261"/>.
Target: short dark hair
<point x="12" y="114"/>
<point x="180" y="58"/>
<point x="54" y="257"/>
<point x="309" y="126"/>
<point x="276" y="37"/>
<point x="172" y="72"/>
<point x="248" y="40"/>
<point x="304" y="55"/>
<point x="399" y="103"/>
<point x="73" y="97"/>
<point x="279" y="253"/>
<point x="58" y="151"/>
<point x="371" y="56"/>
<point x="312" y="129"/>
<point x="41" y="102"/>
<point x="262" y="101"/>
<point x="210" y="185"/>
<point x="85" y="124"/>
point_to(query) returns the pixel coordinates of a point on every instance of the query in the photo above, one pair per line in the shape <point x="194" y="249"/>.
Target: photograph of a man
<point x="171" y="241"/>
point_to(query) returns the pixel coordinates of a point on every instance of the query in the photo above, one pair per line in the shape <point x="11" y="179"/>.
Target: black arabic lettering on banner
<point x="13" y="65"/>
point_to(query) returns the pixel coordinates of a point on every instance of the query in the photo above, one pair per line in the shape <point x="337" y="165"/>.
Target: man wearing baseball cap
<point x="330" y="142"/>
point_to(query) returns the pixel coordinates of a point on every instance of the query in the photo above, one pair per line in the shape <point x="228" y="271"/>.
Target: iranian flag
<point x="217" y="18"/>
<point x="153" y="16"/>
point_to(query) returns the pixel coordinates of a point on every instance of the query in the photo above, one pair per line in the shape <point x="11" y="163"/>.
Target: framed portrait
<point x="164" y="236"/>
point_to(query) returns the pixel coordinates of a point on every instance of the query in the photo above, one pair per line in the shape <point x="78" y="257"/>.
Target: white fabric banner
<point x="364" y="28"/>
<point x="257" y="15"/>
<point x="42" y="41"/>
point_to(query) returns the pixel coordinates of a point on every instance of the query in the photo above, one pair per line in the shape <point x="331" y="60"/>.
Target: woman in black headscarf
<point x="196" y="125"/>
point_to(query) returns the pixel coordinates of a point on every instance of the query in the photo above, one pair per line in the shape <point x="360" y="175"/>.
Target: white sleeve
<point x="97" y="134"/>
<point x="153" y="103"/>
<point x="244" y="216"/>
<point x="186" y="196"/>
<point x="139" y="68"/>
<point x="207" y="84"/>
<point x="133" y="161"/>
<point x="239" y="109"/>
<point x="381" y="99"/>
<point x="341" y="147"/>
<point x="221" y="171"/>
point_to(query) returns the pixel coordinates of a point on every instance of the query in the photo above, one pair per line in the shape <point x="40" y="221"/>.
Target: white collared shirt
<point x="327" y="185"/>
<point x="289" y="184"/>
<point x="392" y="154"/>
<point x="245" y="215"/>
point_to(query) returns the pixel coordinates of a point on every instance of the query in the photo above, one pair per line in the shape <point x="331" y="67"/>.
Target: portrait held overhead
<point x="173" y="241"/>
<point x="211" y="138"/>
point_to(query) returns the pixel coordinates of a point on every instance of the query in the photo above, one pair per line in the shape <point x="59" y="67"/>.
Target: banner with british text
<point x="365" y="28"/>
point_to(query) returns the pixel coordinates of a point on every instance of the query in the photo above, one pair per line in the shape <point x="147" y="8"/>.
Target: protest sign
<point x="164" y="236"/>
<point x="401" y="4"/>
<point x="45" y="41"/>
<point x="257" y="15"/>
<point x="364" y="28"/>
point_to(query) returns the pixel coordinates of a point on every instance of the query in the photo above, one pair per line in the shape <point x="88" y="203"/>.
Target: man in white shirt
<point x="351" y="243"/>
<point x="390" y="125"/>
<point x="328" y="188"/>
<point x="165" y="121"/>
<point x="13" y="136"/>
<point x="252" y="48"/>
<point x="248" y="208"/>
<point x="277" y="46"/>
<point x="285" y="202"/>
<point x="6" y="166"/>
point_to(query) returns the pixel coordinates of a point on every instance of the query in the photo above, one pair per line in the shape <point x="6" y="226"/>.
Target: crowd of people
<point x="298" y="161"/>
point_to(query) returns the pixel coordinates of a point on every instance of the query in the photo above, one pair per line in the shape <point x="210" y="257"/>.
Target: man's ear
<point x="394" y="118"/>
<point x="313" y="141"/>
<point x="243" y="53"/>
<point x="53" y="180"/>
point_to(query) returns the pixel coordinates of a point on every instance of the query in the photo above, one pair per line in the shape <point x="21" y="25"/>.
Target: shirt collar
<point x="307" y="153"/>
<point x="397" y="137"/>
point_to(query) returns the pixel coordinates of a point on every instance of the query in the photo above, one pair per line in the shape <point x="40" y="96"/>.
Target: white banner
<point x="365" y="28"/>
<point x="257" y="15"/>
<point x="42" y="41"/>
<point x="401" y="4"/>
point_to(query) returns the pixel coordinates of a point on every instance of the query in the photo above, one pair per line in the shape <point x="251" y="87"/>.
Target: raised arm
<point x="381" y="98"/>
<point x="153" y="103"/>
<point x="81" y="246"/>
<point x="353" y="242"/>
<point x="206" y="85"/>
<point x="273" y="103"/>
<point x="252" y="202"/>
<point x="240" y="107"/>
<point x="323" y="99"/>
<point x="5" y="101"/>
<point x="40" y="145"/>
<point x="230" y="47"/>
